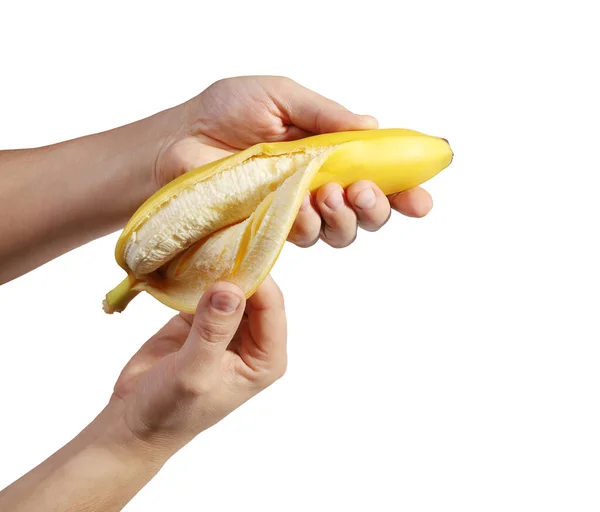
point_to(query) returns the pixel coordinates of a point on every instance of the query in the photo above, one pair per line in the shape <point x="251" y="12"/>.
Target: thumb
<point x="217" y="318"/>
<point x="314" y="113"/>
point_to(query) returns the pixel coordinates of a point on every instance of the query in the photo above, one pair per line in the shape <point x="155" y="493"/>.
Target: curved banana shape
<point x="229" y="220"/>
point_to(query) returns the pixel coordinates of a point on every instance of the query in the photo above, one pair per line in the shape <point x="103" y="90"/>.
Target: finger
<point x="370" y="204"/>
<point x="292" y="132"/>
<point x="415" y="202"/>
<point x="166" y="341"/>
<point x="315" y="113"/>
<point x="339" y="220"/>
<point x="192" y="152"/>
<point x="307" y="226"/>
<point x="215" y="322"/>
<point x="266" y="343"/>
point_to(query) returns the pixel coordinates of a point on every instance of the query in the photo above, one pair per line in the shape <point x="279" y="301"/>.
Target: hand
<point x="197" y="369"/>
<point x="192" y="373"/>
<point x="124" y="166"/>
<point x="236" y="113"/>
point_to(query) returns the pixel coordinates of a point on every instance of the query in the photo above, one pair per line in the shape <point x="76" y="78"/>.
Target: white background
<point x="448" y="363"/>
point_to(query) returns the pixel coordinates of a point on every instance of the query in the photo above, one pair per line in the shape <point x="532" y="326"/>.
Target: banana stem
<point x="118" y="298"/>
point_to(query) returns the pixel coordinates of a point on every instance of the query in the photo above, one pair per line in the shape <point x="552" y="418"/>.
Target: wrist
<point x="112" y="172"/>
<point x="135" y="149"/>
<point x="101" y="469"/>
<point x="109" y="432"/>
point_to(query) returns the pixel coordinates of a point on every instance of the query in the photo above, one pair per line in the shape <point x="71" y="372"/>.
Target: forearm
<point x="59" y="197"/>
<point x="100" y="470"/>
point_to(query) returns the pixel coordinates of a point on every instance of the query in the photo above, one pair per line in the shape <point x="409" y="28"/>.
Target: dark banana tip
<point x="447" y="142"/>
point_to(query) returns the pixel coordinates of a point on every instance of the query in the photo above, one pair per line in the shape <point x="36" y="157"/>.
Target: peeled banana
<point x="228" y="220"/>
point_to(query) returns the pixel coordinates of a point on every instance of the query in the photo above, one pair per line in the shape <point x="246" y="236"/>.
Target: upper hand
<point x="236" y="113"/>
<point x="199" y="368"/>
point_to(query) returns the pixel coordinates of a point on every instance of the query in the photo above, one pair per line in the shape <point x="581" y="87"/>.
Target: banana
<point x="228" y="220"/>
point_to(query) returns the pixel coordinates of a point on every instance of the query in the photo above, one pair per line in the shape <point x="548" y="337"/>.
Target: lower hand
<point x="197" y="369"/>
<point x="192" y="373"/>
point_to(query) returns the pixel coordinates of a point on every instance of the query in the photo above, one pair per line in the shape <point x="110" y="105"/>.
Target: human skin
<point x="191" y="374"/>
<point x="197" y="368"/>
<point x="56" y="198"/>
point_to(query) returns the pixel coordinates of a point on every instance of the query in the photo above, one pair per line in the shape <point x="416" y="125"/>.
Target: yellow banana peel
<point x="228" y="220"/>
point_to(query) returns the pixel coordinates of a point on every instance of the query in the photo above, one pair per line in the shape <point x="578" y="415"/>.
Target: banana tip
<point x="119" y="297"/>
<point x="107" y="308"/>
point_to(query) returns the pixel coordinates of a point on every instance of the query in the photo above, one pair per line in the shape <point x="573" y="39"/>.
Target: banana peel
<point x="228" y="220"/>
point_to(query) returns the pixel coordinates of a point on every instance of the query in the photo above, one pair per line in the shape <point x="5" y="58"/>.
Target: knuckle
<point x="306" y="224"/>
<point x="339" y="241"/>
<point x="278" y="298"/>
<point x="212" y="331"/>
<point x="343" y="220"/>
<point x="276" y="372"/>
<point x="371" y="227"/>
<point x="302" y="231"/>
<point x="270" y="376"/>
<point x="280" y="82"/>
<point x="305" y="241"/>
<point x="262" y="375"/>
<point x="280" y="369"/>
<point x="305" y="233"/>
<point x="373" y="224"/>
<point x="192" y="386"/>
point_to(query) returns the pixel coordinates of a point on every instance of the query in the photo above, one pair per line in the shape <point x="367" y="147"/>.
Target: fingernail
<point x="225" y="302"/>
<point x="305" y="203"/>
<point x="366" y="199"/>
<point x="335" y="200"/>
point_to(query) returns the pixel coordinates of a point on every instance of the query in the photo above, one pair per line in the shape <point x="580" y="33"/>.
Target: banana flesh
<point x="229" y="220"/>
<point x="230" y="196"/>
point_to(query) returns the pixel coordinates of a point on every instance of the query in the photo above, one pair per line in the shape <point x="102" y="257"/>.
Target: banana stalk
<point x="228" y="220"/>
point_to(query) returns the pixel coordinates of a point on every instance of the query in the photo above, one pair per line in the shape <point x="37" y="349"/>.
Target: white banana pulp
<point x="239" y="253"/>
<point x="212" y="204"/>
